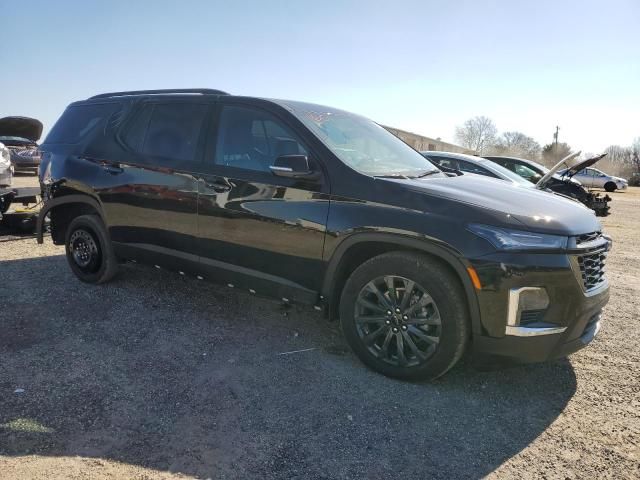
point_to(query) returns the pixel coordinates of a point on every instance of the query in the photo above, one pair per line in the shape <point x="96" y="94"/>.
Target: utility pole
<point x="555" y="137"/>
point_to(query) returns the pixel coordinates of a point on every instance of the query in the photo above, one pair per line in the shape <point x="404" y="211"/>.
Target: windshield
<point x="361" y="143"/>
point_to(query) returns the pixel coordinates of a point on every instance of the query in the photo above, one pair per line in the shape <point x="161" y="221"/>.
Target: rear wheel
<point x="89" y="250"/>
<point x="610" y="186"/>
<point x="405" y="316"/>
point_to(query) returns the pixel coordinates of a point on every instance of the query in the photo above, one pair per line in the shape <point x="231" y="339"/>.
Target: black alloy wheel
<point x="398" y="321"/>
<point x="405" y="315"/>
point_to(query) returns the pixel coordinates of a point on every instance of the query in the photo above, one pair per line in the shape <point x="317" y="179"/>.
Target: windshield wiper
<point x="426" y="173"/>
<point x="392" y="175"/>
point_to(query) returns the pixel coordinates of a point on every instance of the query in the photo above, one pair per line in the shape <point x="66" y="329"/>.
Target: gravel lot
<point x="161" y="376"/>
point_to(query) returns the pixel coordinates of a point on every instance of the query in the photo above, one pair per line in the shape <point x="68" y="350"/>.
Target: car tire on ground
<point x="89" y="250"/>
<point x="610" y="186"/>
<point x="405" y="315"/>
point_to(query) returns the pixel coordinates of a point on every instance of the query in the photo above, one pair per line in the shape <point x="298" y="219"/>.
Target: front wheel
<point x="405" y="315"/>
<point x="610" y="187"/>
<point x="89" y="250"/>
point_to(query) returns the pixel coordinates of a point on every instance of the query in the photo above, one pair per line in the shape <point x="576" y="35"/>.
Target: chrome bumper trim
<point x="518" y="331"/>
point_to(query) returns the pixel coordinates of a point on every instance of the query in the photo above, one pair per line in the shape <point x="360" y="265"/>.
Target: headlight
<point x="507" y="239"/>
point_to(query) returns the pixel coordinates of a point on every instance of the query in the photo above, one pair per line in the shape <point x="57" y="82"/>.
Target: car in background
<point x="459" y="162"/>
<point x="19" y="135"/>
<point x="6" y="169"/>
<point x="558" y="183"/>
<point x="594" y="178"/>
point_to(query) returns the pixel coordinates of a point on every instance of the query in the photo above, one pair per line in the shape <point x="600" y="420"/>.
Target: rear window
<point x="78" y="121"/>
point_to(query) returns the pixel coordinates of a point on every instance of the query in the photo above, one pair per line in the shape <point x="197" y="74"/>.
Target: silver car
<point x="594" y="178"/>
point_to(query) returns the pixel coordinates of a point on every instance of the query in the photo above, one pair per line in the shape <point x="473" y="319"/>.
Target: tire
<point x="89" y="250"/>
<point x="441" y="345"/>
<point x="610" y="187"/>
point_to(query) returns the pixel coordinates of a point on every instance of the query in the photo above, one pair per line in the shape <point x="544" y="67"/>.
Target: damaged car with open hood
<point x="20" y="136"/>
<point x="559" y="178"/>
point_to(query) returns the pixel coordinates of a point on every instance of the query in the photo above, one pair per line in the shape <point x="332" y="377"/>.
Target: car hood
<point x="24" y="127"/>
<point x="569" y="166"/>
<point x="534" y="209"/>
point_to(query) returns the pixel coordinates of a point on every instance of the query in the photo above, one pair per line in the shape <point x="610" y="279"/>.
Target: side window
<point x="446" y="162"/>
<point x="523" y="171"/>
<point x="471" y="168"/>
<point x="174" y="130"/>
<point x="252" y="139"/>
<point x="137" y="128"/>
<point x="167" y="131"/>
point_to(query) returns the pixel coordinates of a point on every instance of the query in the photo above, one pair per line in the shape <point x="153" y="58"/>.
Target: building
<point x="422" y="143"/>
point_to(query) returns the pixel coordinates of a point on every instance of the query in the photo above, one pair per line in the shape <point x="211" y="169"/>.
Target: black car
<point x="562" y="184"/>
<point x="315" y="205"/>
<point x="20" y="136"/>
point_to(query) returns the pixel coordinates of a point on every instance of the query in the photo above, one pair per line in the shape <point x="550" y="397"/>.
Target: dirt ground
<point x="161" y="376"/>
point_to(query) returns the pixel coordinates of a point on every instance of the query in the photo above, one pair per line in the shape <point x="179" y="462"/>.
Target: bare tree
<point x="552" y="153"/>
<point x="635" y="155"/>
<point x="477" y="134"/>
<point x="517" y="144"/>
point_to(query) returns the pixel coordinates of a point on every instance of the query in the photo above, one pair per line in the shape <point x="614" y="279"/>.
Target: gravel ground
<point x="160" y="376"/>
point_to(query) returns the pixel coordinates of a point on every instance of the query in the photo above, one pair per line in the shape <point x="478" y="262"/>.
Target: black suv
<point x="311" y="204"/>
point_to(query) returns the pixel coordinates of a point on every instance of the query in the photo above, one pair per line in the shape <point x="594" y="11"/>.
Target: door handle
<point x="218" y="186"/>
<point x="112" y="169"/>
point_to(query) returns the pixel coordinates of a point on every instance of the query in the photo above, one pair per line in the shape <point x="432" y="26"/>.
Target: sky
<point x="422" y="66"/>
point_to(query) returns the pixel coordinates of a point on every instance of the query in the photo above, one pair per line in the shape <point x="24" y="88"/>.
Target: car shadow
<point x="178" y="375"/>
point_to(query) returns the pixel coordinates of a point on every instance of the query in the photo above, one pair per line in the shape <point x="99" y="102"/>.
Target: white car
<point x="6" y="168"/>
<point x="594" y="178"/>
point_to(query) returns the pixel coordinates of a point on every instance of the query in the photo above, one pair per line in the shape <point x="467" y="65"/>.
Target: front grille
<point x="592" y="262"/>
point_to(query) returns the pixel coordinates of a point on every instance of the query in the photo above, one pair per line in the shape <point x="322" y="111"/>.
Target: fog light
<point x="526" y="300"/>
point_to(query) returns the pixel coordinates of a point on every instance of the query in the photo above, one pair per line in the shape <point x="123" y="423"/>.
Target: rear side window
<point x="167" y="131"/>
<point x="78" y="121"/>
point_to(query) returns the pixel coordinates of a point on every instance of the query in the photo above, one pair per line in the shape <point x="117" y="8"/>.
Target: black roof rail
<point x="200" y="91"/>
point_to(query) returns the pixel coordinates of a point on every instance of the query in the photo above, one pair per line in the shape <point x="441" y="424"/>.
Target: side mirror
<point x="293" y="166"/>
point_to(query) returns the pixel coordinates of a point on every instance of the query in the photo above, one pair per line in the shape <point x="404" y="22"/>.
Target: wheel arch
<point x="72" y="205"/>
<point x="358" y="248"/>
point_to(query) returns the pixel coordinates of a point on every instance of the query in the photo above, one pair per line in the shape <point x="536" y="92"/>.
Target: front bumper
<point x="569" y="322"/>
<point x="539" y="348"/>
